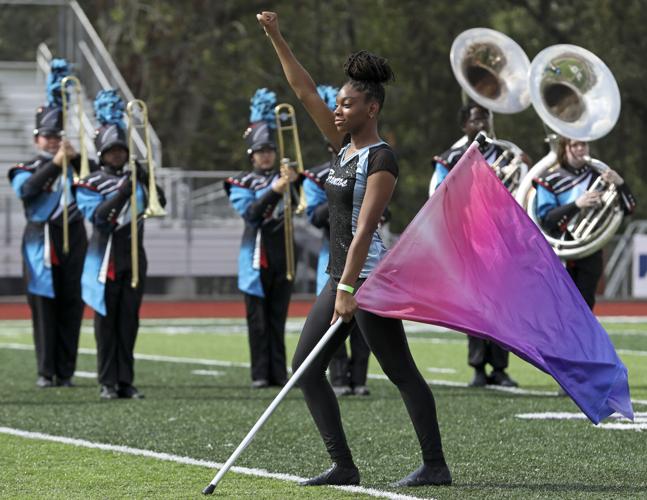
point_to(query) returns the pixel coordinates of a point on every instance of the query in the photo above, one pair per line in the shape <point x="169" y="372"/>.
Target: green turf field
<point x="199" y="405"/>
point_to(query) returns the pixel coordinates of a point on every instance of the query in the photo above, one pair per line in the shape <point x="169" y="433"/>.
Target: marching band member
<point x="258" y="197"/>
<point x="53" y="278"/>
<point x="359" y="187"/>
<point x="474" y="119"/>
<point x="347" y="374"/>
<point x="562" y="194"/>
<point x="105" y="199"/>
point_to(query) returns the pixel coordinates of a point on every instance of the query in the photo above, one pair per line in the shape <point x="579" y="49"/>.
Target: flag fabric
<point x="472" y="260"/>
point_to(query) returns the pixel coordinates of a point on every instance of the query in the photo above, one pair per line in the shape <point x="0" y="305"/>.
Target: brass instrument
<point x="582" y="227"/>
<point x="576" y="95"/>
<point x="285" y="123"/>
<point x="85" y="165"/>
<point x="492" y="69"/>
<point x="137" y="112"/>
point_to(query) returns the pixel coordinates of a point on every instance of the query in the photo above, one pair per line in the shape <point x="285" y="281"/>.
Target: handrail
<point x="80" y="44"/>
<point x="615" y="271"/>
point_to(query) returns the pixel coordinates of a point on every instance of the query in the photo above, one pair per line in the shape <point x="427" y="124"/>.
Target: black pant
<point x="386" y="339"/>
<point x="481" y="352"/>
<point x="266" y="327"/>
<point x="586" y="273"/>
<point x="350" y="371"/>
<point x="57" y="322"/>
<point x="116" y="332"/>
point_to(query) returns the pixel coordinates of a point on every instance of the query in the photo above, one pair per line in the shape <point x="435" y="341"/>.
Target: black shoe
<point x="479" y="380"/>
<point x="426" y="475"/>
<point x="342" y="390"/>
<point x="44" y="382"/>
<point x="127" y="391"/>
<point x="335" y="475"/>
<point x="278" y="383"/>
<point x="64" y="382"/>
<point x="501" y="378"/>
<point x="361" y="390"/>
<point x="261" y="383"/>
<point x="108" y="392"/>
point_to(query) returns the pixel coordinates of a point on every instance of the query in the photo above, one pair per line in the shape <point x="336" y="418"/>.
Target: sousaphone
<point x="492" y="69"/>
<point x="575" y="94"/>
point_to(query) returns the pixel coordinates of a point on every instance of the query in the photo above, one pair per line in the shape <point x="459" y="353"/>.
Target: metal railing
<point x="79" y="43"/>
<point x="618" y="268"/>
<point x="199" y="238"/>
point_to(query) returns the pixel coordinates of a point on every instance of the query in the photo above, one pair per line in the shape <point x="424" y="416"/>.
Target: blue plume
<point x="262" y="107"/>
<point x="59" y="69"/>
<point x="109" y="108"/>
<point x="329" y="95"/>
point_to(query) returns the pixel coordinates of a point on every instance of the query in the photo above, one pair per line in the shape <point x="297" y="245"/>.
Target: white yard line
<point x="208" y="373"/>
<point x="631" y="352"/>
<point x="189" y="461"/>
<point x="216" y="362"/>
<point x="618" y="422"/>
<point x="433" y="369"/>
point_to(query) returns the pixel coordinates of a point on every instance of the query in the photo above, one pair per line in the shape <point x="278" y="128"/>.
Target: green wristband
<point x="346" y="288"/>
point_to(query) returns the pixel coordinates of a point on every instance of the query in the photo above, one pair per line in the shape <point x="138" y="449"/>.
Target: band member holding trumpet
<point x="113" y="281"/>
<point x="564" y="192"/>
<point x="54" y="241"/>
<point x="258" y="196"/>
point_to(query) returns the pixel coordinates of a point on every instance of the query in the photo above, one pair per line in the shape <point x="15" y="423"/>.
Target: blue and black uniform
<point x="104" y="197"/>
<point x="479" y="352"/>
<point x="262" y="270"/>
<point x="555" y="207"/>
<point x="53" y="279"/>
<point x="445" y="162"/>
<point x="345" y="189"/>
<point x="345" y="372"/>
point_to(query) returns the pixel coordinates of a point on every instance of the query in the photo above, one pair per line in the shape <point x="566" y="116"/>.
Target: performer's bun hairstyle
<point x="367" y="73"/>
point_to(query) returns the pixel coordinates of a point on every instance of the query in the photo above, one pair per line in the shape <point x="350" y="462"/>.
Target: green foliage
<point x="197" y="63"/>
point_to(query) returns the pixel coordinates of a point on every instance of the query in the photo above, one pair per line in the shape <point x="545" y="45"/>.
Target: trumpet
<point x="137" y="112"/>
<point x="286" y="122"/>
<point x="85" y="165"/>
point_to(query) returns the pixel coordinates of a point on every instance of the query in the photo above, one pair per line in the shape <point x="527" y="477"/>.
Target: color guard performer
<point x="258" y="197"/>
<point x="359" y="187"/>
<point x="52" y="276"/>
<point x="347" y="374"/>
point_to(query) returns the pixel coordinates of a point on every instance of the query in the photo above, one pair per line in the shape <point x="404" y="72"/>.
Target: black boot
<point x="335" y="475"/>
<point x="108" y="392"/>
<point x="479" y="380"/>
<point x="426" y="475"/>
<point x="500" y="377"/>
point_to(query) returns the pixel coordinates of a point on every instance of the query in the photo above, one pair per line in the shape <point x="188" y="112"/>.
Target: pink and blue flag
<point x="473" y="261"/>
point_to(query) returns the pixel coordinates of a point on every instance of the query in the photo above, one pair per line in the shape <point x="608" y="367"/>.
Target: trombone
<point x="85" y="165"/>
<point x="286" y="122"/>
<point x="138" y="108"/>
